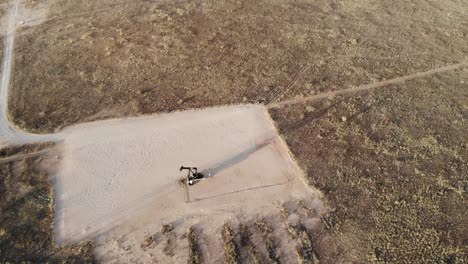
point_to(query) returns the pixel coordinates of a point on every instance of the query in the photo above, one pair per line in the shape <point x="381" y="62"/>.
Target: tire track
<point x="24" y="156"/>
<point x="367" y="86"/>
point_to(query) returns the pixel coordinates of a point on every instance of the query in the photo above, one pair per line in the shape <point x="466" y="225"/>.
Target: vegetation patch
<point x="194" y="247"/>
<point x="26" y="216"/>
<point x="265" y="228"/>
<point x="306" y="254"/>
<point x="147" y="242"/>
<point x="231" y="250"/>
<point x="169" y="244"/>
<point x="393" y="170"/>
<point x="93" y="60"/>
<point x="8" y="151"/>
<point x="167" y="229"/>
<point x="247" y="244"/>
<point x="271" y="247"/>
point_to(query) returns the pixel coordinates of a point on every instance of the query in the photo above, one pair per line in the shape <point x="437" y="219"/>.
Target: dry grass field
<point x="92" y="60"/>
<point x="27" y="213"/>
<point x="393" y="165"/>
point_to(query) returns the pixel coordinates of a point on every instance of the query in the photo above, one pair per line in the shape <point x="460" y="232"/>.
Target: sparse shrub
<point x="309" y="211"/>
<point x="26" y="233"/>
<point x="194" y="250"/>
<point x="327" y="222"/>
<point x="244" y="235"/>
<point x="266" y="230"/>
<point x="271" y="249"/>
<point x="147" y="242"/>
<point x="300" y="257"/>
<point x="166" y="229"/>
<point x="303" y="258"/>
<point x="254" y="256"/>
<point x="292" y="230"/>
<point x="264" y="227"/>
<point x="307" y="247"/>
<point x="306" y="252"/>
<point x="246" y="242"/>
<point x="284" y="211"/>
<point x="230" y="247"/>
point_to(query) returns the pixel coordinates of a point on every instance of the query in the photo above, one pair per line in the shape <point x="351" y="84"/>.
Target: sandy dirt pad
<point x="32" y="13"/>
<point x="118" y="180"/>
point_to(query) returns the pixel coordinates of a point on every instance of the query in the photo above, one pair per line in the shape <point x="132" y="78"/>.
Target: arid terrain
<point x="27" y="213"/>
<point x="376" y="174"/>
<point x="118" y="181"/>
<point x="91" y="60"/>
<point x="393" y="165"/>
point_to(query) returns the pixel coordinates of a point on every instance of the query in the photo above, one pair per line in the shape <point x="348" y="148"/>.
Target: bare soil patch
<point x="392" y="165"/>
<point x="118" y="182"/>
<point x="92" y="60"/>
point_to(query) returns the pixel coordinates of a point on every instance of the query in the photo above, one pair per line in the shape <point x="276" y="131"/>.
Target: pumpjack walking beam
<point x="193" y="175"/>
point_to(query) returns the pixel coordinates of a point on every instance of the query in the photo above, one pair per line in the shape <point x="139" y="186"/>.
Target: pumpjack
<point x="193" y="174"/>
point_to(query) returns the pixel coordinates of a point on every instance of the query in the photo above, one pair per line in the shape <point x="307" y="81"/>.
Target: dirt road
<point x="368" y="86"/>
<point x="9" y="134"/>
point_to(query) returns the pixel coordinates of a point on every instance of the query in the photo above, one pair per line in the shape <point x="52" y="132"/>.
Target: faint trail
<point x="291" y="84"/>
<point x="9" y="134"/>
<point x="367" y="86"/>
<point x="23" y="156"/>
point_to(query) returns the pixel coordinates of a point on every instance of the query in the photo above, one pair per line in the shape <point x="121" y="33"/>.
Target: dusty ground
<point x="3" y="24"/>
<point x="393" y="165"/>
<point x="4" y="7"/>
<point x="27" y="213"/>
<point x="118" y="180"/>
<point x="91" y="60"/>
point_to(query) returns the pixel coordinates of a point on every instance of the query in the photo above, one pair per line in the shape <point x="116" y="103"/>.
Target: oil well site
<point x="294" y="131"/>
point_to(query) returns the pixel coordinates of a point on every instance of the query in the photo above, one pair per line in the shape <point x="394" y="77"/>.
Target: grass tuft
<point x="230" y="248"/>
<point x="194" y="247"/>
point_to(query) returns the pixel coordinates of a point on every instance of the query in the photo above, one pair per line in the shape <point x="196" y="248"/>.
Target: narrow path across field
<point x="6" y="130"/>
<point x="367" y="86"/>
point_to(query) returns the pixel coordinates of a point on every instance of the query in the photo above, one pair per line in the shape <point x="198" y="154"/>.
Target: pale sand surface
<point x="117" y="181"/>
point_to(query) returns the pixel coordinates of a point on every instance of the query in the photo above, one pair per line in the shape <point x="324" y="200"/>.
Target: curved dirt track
<point x="368" y="86"/>
<point x="9" y="134"/>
